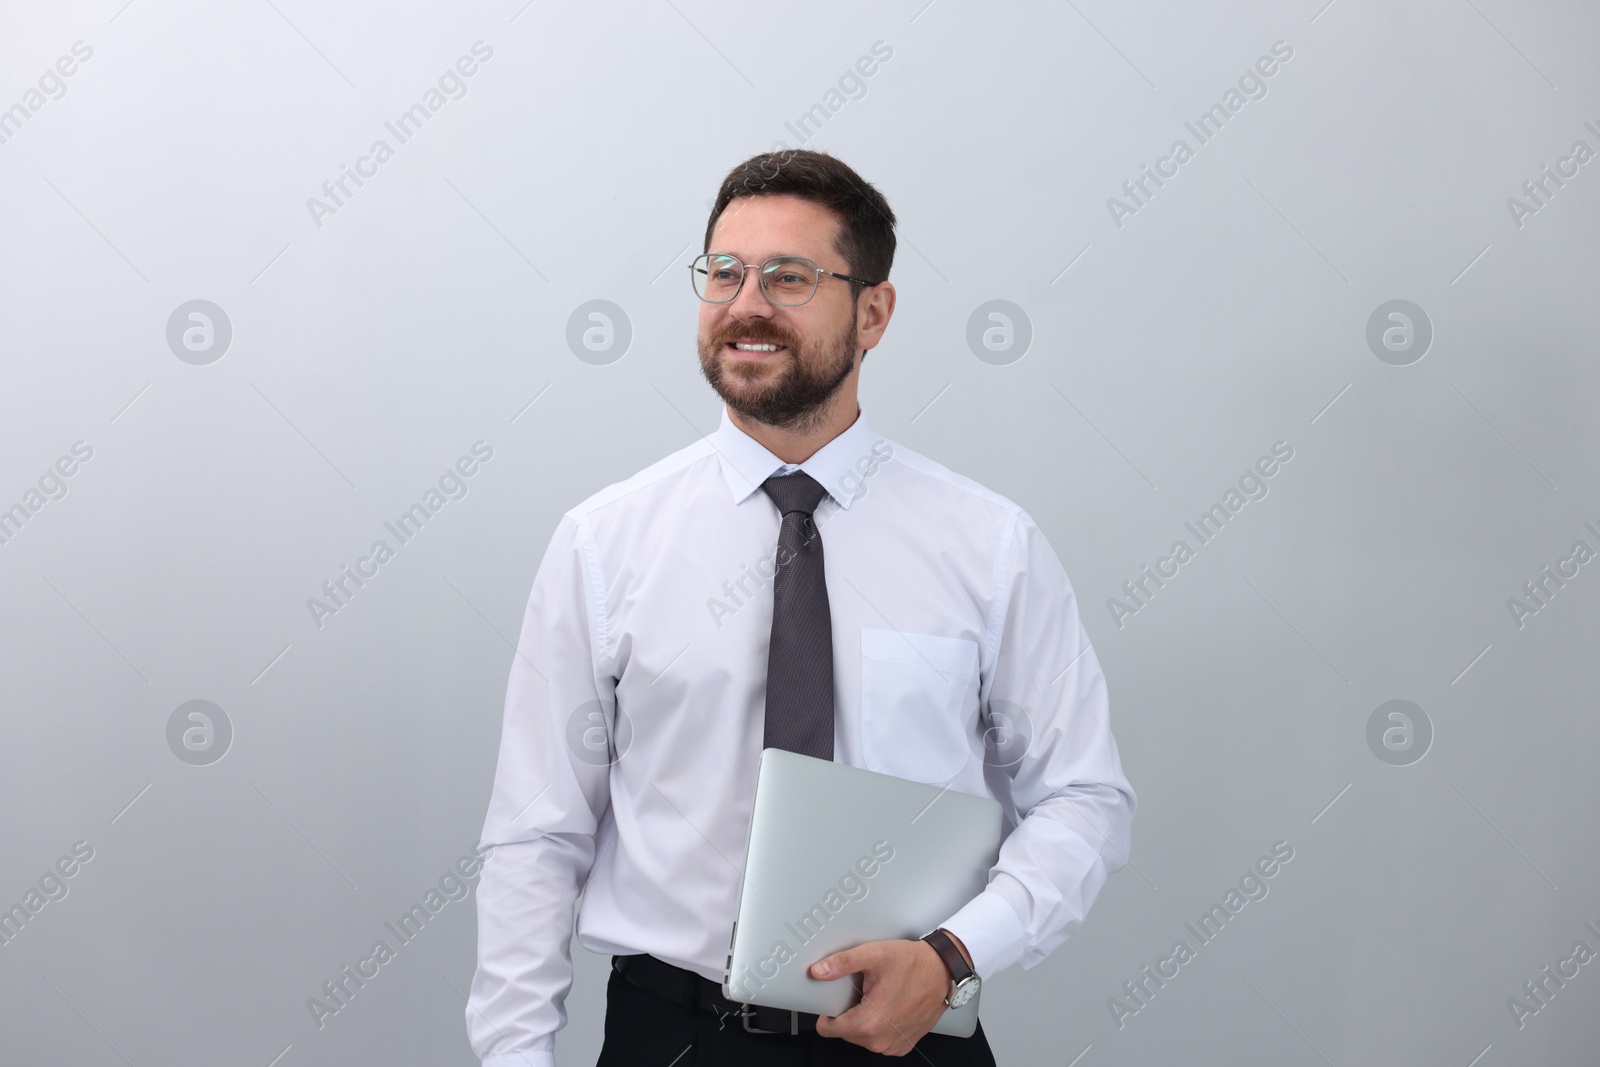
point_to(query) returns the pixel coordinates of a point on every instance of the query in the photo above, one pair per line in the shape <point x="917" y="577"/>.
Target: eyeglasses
<point x="787" y="281"/>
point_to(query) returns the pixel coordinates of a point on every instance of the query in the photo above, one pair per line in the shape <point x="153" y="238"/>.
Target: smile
<point x="748" y="350"/>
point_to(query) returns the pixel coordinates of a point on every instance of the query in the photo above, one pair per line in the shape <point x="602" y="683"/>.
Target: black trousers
<point x="644" y="1030"/>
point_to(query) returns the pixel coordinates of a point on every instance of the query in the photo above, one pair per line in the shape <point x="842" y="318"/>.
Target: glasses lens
<point x="716" y="278"/>
<point x="789" y="281"/>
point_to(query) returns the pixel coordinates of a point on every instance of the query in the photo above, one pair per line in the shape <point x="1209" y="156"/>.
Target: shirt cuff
<point x="991" y="931"/>
<point x="531" y="1058"/>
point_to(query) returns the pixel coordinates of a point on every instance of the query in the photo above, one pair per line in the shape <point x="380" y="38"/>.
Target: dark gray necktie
<point x="800" y="657"/>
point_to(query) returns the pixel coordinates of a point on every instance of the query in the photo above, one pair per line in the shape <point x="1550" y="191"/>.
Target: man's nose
<point x="751" y="303"/>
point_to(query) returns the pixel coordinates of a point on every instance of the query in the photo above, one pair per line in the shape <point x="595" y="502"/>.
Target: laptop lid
<point x="839" y="856"/>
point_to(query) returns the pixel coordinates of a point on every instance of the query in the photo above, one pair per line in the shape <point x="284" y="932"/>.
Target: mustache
<point x="756" y="334"/>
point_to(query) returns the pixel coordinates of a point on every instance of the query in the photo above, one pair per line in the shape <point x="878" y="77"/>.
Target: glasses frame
<point x="816" y="281"/>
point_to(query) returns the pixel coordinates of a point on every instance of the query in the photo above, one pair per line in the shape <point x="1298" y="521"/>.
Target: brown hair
<point x="866" y="233"/>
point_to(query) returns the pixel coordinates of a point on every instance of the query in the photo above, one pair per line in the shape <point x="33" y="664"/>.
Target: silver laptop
<point x="839" y="856"/>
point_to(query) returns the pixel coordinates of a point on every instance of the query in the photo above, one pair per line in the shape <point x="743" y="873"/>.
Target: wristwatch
<point x="963" y="983"/>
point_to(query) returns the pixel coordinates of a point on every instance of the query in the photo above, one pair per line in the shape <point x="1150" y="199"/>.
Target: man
<point x="685" y="618"/>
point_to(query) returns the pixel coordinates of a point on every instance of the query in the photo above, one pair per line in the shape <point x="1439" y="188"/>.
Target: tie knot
<point x="796" y="491"/>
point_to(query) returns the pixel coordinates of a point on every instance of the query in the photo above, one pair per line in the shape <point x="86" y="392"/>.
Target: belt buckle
<point x="746" y="1014"/>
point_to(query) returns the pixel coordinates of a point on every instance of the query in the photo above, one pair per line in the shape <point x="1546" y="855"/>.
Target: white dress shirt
<point x="635" y="708"/>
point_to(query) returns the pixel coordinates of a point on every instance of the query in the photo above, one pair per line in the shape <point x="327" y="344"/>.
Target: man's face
<point x="817" y="340"/>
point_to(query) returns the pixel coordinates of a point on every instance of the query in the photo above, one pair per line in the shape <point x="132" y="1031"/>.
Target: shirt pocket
<point x="918" y="693"/>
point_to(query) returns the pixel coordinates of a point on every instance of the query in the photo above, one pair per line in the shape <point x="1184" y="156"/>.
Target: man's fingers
<point x="848" y="1022"/>
<point x="891" y="1016"/>
<point x="850" y="961"/>
<point x="865" y="1024"/>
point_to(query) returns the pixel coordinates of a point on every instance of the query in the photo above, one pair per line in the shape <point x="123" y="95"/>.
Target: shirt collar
<point x="836" y="466"/>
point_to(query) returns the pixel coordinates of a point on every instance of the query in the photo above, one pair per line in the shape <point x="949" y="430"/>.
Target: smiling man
<point x="936" y="639"/>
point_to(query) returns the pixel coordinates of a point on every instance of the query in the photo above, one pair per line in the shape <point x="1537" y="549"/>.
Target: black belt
<point x="690" y="990"/>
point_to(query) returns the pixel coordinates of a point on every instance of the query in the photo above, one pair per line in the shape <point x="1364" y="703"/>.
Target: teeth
<point x="741" y="346"/>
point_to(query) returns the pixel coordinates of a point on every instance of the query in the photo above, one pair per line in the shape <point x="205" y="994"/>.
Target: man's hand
<point x="903" y="987"/>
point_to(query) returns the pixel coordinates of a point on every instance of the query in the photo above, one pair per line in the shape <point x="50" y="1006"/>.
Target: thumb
<point x="840" y="963"/>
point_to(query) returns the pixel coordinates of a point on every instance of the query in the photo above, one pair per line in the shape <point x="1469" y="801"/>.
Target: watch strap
<point x="954" y="962"/>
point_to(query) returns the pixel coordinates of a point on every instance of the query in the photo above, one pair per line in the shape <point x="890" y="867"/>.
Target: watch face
<point x="964" y="991"/>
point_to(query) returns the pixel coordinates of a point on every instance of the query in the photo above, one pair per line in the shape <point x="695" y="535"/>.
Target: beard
<point x="794" y="393"/>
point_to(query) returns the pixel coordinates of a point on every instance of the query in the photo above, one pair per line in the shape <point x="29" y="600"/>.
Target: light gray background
<point x="431" y="311"/>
